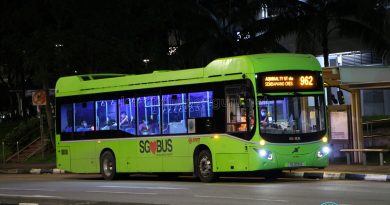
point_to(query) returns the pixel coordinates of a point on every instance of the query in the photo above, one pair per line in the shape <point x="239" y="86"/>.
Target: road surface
<point x="91" y="189"/>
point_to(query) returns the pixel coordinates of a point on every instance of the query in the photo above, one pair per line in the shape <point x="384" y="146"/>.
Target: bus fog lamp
<point x="326" y="150"/>
<point x="262" y="153"/>
<point x="323" y="152"/>
<point x="265" y="154"/>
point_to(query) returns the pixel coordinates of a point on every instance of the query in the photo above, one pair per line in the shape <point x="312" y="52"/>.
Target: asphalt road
<point x="91" y="189"/>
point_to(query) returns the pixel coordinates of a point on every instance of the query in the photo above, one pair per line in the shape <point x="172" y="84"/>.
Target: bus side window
<point x="127" y="115"/>
<point x="84" y="116"/>
<point x="174" y="114"/>
<point x="200" y="104"/>
<point x="67" y="118"/>
<point x="148" y="112"/>
<point x="106" y="111"/>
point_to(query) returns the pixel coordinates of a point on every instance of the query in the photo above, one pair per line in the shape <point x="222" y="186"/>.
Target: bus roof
<point x="218" y="70"/>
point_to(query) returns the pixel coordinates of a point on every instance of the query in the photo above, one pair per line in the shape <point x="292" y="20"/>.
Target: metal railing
<point x="376" y="129"/>
<point x="19" y="151"/>
<point x="3" y="146"/>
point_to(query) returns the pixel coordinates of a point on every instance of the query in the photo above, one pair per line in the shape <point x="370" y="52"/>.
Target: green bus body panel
<point x="229" y="154"/>
<point x="218" y="70"/>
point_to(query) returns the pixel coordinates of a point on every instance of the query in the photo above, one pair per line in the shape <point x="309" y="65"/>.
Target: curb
<point x="14" y="171"/>
<point x="338" y="176"/>
<point x="47" y="171"/>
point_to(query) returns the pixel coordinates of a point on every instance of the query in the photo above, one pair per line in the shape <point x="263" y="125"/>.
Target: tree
<point x="317" y="22"/>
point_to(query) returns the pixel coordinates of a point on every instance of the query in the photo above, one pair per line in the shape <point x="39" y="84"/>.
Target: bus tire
<point x="204" y="167"/>
<point x="108" y="166"/>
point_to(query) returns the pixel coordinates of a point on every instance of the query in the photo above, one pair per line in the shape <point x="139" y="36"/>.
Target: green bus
<point x="262" y="112"/>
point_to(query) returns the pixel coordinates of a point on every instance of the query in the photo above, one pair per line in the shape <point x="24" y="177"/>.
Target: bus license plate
<point x="296" y="164"/>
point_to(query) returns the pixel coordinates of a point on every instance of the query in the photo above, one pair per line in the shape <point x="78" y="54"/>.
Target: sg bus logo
<point x="157" y="146"/>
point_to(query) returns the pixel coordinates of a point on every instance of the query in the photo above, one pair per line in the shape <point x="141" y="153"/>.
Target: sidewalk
<point x="344" y="172"/>
<point x="24" y="168"/>
<point x="370" y="169"/>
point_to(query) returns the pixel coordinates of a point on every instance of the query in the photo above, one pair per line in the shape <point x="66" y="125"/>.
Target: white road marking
<point x="142" y="187"/>
<point x="242" y="198"/>
<point x="118" y="192"/>
<point x="28" y="204"/>
<point x="32" y="196"/>
<point x="16" y="189"/>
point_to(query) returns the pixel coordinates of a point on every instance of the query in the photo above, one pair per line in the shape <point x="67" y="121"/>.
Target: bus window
<point x="237" y="110"/>
<point x="148" y="113"/>
<point x="67" y="118"/>
<point x="106" y="115"/>
<point x="200" y="104"/>
<point x="127" y="115"/>
<point x="292" y="115"/>
<point x="174" y="113"/>
<point x="83" y="113"/>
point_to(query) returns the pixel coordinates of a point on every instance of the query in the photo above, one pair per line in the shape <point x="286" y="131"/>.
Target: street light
<point x="146" y="61"/>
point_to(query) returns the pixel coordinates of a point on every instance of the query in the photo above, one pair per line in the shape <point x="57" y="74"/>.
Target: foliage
<point x="25" y="132"/>
<point x="6" y="127"/>
<point x="42" y="40"/>
<point x="315" y="24"/>
<point x="49" y="157"/>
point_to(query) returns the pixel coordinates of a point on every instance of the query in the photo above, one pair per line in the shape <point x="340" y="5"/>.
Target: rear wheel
<point x="108" y="166"/>
<point x="204" y="167"/>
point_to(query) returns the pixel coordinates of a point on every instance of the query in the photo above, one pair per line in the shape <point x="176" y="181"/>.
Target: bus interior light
<point x="216" y="136"/>
<point x="325" y="139"/>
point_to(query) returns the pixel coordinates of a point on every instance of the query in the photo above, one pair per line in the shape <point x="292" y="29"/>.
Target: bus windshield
<point x="291" y="115"/>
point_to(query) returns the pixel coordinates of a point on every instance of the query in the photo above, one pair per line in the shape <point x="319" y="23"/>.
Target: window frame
<point x="217" y="110"/>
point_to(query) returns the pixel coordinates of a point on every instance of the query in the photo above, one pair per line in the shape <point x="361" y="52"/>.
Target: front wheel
<point x="204" y="166"/>
<point x="108" y="166"/>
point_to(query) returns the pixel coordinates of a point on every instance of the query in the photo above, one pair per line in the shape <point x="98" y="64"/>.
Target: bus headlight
<point x="323" y="152"/>
<point x="265" y="154"/>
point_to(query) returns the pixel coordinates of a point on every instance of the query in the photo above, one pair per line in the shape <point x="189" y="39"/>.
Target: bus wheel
<point x="108" y="166"/>
<point x="204" y="166"/>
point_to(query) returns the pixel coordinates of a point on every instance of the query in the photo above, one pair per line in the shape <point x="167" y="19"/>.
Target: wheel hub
<point x="205" y="166"/>
<point x="107" y="167"/>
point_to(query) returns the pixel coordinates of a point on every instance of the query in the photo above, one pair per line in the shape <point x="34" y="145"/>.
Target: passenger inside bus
<point x="109" y="124"/>
<point x="264" y="121"/>
<point x="124" y="120"/>
<point x="143" y="128"/>
<point x="68" y="129"/>
<point x="84" y="127"/>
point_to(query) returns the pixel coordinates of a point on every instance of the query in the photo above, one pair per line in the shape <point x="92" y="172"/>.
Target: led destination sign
<point x="288" y="81"/>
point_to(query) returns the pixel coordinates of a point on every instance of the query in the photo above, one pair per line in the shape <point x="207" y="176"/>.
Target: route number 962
<point x="306" y="80"/>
